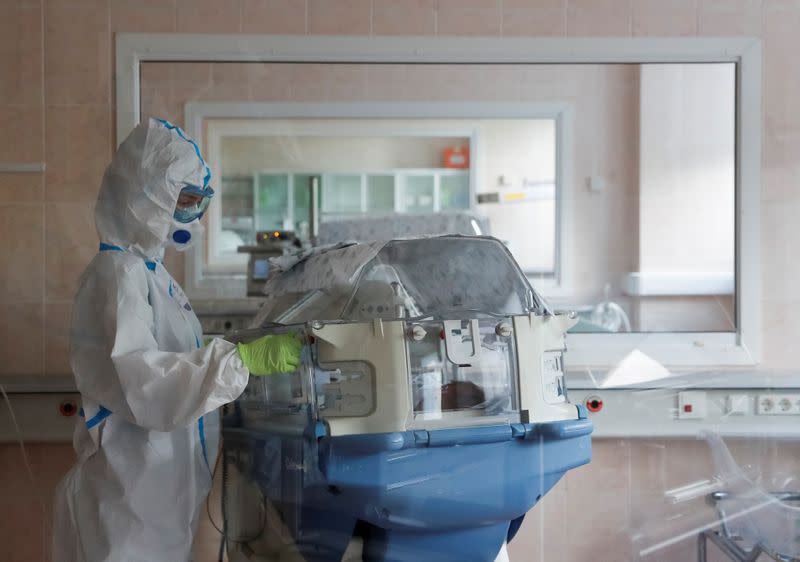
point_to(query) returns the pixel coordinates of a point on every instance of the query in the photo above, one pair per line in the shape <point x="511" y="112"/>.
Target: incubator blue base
<point x="415" y="495"/>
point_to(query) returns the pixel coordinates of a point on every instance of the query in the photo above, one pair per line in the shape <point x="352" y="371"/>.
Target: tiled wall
<point x="56" y="107"/>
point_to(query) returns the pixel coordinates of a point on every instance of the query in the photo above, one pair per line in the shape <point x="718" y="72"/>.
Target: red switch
<point x="687" y="408"/>
<point x="594" y="404"/>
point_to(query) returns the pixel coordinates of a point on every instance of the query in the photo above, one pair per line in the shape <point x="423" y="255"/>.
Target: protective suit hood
<point x="140" y="187"/>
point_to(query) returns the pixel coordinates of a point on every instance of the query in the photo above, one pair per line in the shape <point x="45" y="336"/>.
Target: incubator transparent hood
<point x="430" y="400"/>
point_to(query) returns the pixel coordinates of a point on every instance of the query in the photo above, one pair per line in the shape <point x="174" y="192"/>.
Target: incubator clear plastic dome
<point x="426" y="364"/>
<point x="448" y="277"/>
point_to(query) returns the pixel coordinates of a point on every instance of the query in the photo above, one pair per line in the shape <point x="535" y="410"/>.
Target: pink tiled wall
<point x="56" y="106"/>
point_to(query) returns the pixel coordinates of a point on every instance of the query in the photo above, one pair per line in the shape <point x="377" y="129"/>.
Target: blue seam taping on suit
<point x="102" y="414"/>
<point x="178" y="130"/>
<point x="151" y="265"/>
<point x="201" y="431"/>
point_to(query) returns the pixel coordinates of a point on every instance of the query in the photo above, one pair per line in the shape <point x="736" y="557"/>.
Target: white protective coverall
<point x="148" y="439"/>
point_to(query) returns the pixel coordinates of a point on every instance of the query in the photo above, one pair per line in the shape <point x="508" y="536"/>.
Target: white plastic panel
<point x="658" y="413"/>
<point x="42" y="417"/>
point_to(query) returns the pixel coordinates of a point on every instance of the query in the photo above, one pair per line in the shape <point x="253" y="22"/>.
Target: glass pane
<point x="272" y="201"/>
<point x="484" y="387"/>
<point x="380" y="193"/>
<point x="342" y="194"/>
<point x="302" y="203"/>
<point x="419" y="194"/>
<point x="454" y="192"/>
<point x="645" y="138"/>
<point x="238" y="226"/>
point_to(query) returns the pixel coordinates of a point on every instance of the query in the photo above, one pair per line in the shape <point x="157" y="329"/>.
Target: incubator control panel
<point x="347" y="390"/>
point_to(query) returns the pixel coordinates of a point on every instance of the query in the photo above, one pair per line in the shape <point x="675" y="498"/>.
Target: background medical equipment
<point x="758" y="514"/>
<point x="429" y="413"/>
<point x="269" y="244"/>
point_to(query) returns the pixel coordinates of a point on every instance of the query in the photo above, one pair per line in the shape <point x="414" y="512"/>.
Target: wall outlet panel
<point x="42" y="417"/>
<point x="778" y="404"/>
<point x="655" y="413"/>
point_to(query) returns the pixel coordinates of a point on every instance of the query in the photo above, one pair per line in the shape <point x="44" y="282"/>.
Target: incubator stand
<point x="428" y="414"/>
<point x="759" y="513"/>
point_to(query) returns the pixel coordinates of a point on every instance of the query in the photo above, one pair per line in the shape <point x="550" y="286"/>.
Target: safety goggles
<point x="192" y="203"/>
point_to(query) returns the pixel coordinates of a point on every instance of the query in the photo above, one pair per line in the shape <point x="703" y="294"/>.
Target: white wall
<point x="687" y="194"/>
<point x="686" y="171"/>
<point x="248" y="154"/>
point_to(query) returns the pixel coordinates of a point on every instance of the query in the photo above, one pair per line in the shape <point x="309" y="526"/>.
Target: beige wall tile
<point x="18" y="188"/>
<point x="271" y="82"/>
<point x="21" y="133"/>
<point x="156" y="16"/>
<point x="191" y="81"/>
<point x="404" y="17"/>
<point x="665" y="19"/>
<point x="209" y="16"/>
<point x="26" y="535"/>
<point x="21" y="53"/>
<point x="274" y="16"/>
<point x="599" y="17"/>
<point x="781" y="72"/>
<point x="77" y="52"/>
<point x="159" y="107"/>
<point x="779" y="350"/>
<point x="340" y="17"/>
<point x="78" y="147"/>
<point x="57" y="318"/>
<point x="77" y="15"/>
<point x="729" y="17"/>
<point x="71" y="242"/>
<point x="387" y="82"/>
<point x="610" y="464"/>
<point x="605" y="483"/>
<point x="22" y="232"/>
<point x="780" y="174"/>
<point x="77" y="67"/>
<point x="345" y="82"/>
<point x="230" y="81"/>
<point x="442" y="82"/>
<point x="534" y="17"/>
<point x="527" y="544"/>
<point x="554" y="525"/>
<point x="156" y="88"/>
<point x="469" y="17"/>
<point x="320" y="82"/>
<point x="780" y="268"/>
<point x="21" y="345"/>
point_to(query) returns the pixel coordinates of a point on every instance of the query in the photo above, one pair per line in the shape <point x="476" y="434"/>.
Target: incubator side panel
<point x="540" y="343"/>
<point x="382" y="345"/>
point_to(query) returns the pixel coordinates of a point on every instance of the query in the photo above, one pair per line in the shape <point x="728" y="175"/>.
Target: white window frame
<point x="676" y="350"/>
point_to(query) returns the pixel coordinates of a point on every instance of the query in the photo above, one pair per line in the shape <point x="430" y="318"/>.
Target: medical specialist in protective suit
<point x="147" y="442"/>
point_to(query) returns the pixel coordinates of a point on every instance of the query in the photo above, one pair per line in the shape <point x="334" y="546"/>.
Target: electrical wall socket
<point x="778" y="404"/>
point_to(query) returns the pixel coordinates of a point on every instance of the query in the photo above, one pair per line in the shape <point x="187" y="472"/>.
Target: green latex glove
<point x="271" y="354"/>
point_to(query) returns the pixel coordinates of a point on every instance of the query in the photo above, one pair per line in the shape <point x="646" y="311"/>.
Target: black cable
<point x="224" y="531"/>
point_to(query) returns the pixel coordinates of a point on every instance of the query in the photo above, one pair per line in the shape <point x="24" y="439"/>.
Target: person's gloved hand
<point x="271" y="354"/>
